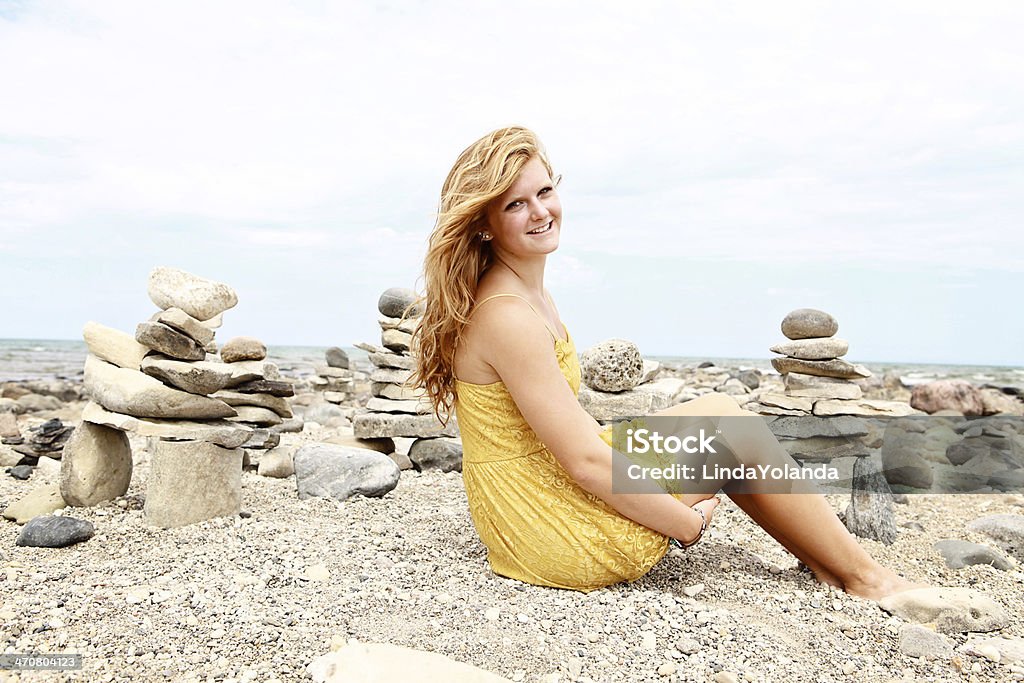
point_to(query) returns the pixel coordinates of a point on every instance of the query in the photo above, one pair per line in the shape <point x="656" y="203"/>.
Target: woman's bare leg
<point x="804" y="523"/>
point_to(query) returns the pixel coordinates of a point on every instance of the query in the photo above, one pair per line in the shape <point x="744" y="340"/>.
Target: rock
<point x="750" y="378"/>
<point x="633" y="402"/>
<point x="394" y="303"/>
<point x="904" y="466"/>
<point x="959" y="554"/>
<point x="34" y="403"/>
<point x="113" y="346"/>
<point x="220" y="432"/>
<point x="387" y="663"/>
<point x="200" y="298"/>
<point x="48" y="438"/>
<point x="279" y="388"/>
<point x="372" y="425"/>
<point x="55" y="532"/>
<point x="199" y="377"/>
<point x="865" y="407"/>
<point x="813" y="386"/>
<point x="391" y="375"/>
<point x="21" y="472"/>
<point x="952" y="610"/>
<point x="436" y="454"/>
<point x="276" y="463"/>
<point x="825" y="448"/>
<point x="806" y="427"/>
<point x="412" y="407"/>
<point x="381" y="445"/>
<point x="243" y="348"/>
<point x="948" y="394"/>
<point x="918" y="641"/>
<point x="40" y="501"/>
<point x="96" y="466"/>
<point x="396" y="340"/>
<point x="1010" y="650"/>
<point x="337" y="358"/>
<point x="613" y="365"/>
<point x="836" y="367"/>
<point x="396" y="392"/>
<point x="215" y="322"/>
<point x="807" y="323"/>
<point x="256" y="415"/>
<point x="169" y="341"/>
<point x="237" y="400"/>
<point x="995" y="402"/>
<point x="393" y="360"/>
<point x="131" y="392"/>
<point x="407" y="325"/>
<point x="813" y="349"/>
<point x="339" y="472"/>
<point x="262" y="439"/>
<point x="9" y="426"/>
<point x="9" y="457"/>
<point x="787" y="402"/>
<point x="650" y="371"/>
<point x="186" y="324"/>
<point x="192" y="481"/>
<point x="1007" y="529"/>
<point x="870" y="512"/>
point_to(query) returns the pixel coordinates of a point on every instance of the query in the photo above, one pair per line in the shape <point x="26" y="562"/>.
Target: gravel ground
<point x="256" y="598"/>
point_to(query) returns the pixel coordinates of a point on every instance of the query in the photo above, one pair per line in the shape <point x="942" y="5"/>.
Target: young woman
<point x="537" y="468"/>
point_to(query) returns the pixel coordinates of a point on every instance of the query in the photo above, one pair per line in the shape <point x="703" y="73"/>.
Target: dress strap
<point x="542" y="318"/>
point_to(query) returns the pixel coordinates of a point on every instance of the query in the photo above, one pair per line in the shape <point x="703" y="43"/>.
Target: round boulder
<point x="394" y="301"/>
<point x="809" y="323"/>
<point x="243" y="348"/>
<point x="612" y="365"/>
<point x="337" y="358"/>
<point x="948" y="394"/>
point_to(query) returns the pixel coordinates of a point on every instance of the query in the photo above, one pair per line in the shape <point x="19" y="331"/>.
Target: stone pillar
<point x="96" y="465"/>
<point x="192" y="481"/>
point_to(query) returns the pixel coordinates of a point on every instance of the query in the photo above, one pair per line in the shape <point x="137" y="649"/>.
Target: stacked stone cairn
<point x="822" y="417"/>
<point x="159" y="384"/>
<point x="336" y="379"/>
<point x="618" y="382"/>
<point x="395" y="409"/>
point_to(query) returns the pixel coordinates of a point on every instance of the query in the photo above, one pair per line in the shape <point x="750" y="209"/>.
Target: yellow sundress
<point x="538" y="524"/>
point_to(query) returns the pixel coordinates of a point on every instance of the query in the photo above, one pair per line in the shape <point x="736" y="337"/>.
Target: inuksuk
<point x="617" y="382"/>
<point x="159" y="384"/>
<point x="336" y="379"/>
<point x="395" y="409"/>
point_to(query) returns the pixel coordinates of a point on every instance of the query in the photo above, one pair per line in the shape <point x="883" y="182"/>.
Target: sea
<point x="34" y="359"/>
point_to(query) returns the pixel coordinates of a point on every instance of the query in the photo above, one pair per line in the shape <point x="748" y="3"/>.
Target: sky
<point x="723" y="164"/>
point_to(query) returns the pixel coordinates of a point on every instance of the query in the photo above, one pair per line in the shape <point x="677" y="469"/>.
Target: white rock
<point x="200" y="298"/>
<point x="113" y="346"/>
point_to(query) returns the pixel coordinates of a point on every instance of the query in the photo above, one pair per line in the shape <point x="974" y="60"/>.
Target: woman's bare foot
<point x="881" y="584"/>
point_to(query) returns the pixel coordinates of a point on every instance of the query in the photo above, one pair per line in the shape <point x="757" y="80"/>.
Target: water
<point x="23" y="359"/>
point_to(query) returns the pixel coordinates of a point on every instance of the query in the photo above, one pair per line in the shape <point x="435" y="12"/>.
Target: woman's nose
<point x="539" y="211"/>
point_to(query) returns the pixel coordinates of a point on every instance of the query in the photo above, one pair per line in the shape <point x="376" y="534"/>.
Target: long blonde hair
<point x="457" y="257"/>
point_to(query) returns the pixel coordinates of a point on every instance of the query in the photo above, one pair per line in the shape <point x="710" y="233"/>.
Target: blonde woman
<point x="537" y="468"/>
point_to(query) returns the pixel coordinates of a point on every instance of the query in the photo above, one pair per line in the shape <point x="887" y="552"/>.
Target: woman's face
<point x="526" y="219"/>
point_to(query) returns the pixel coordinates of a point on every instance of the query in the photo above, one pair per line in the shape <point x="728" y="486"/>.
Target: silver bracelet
<point x="703" y="528"/>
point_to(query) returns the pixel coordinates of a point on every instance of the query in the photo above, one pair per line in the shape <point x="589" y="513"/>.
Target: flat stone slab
<point x="809" y="426"/>
<point x="169" y="341"/>
<point x="221" y="432"/>
<point x="811" y="386"/>
<point x="237" y="399"/>
<point x="39" y="501"/>
<point x="196" y="377"/>
<point x="392" y="360"/>
<point x="411" y="407"/>
<point x="133" y="393"/>
<point x="822" y="348"/>
<point x="113" y="346"/>
<point x="864" y="407"/>
<point x="952" y="610"/>
<point x="373" y="425"/>
<point x="186" y="324"/>
<point x="824" y="368"/>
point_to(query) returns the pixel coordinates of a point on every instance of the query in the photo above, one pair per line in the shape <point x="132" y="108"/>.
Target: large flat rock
<point x="132" y="392"/>
<point x="113" y="346"/>
<point x="373" y="425"/>
<point x="197" y="296"/>
<point x="220" y="432"/>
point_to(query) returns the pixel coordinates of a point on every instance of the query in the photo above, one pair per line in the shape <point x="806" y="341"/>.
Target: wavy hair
<point x="457" y="257"/>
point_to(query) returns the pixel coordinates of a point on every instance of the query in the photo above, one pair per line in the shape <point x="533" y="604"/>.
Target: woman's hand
<point x="706" y="506"/>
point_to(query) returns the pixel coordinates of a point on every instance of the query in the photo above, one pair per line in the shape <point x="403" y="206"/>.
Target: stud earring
<point x="485" y="235"/>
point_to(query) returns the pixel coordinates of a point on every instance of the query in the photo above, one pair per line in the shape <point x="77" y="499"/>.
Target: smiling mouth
<point x="543" y="229"/>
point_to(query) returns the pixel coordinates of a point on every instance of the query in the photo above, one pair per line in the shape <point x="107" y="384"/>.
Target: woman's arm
<point x="519" y="348"/>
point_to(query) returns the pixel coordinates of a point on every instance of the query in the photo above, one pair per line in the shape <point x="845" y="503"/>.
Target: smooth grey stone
<point x="276" y="463"/>
<point x="404" y="324"/>
<point x="436" y="454"/>
<point x="96" y="466"/>
<point x="396" y="300"/>
<point x="169" y="341"/>
<point x="750" y="378"/>
<point x="201" y="298"/>
<point x="959" y="554"/>
<point x="813" y="349"/>
<point x="805" y="427"/>
<point x="186" y="324"/>
<point x="391" y="375"/>
<point x="612" y="365"/>
<point x="396" y="340"/>
<point x="255" y="415"/>
<point x="237" y="400"/>
<point x="291" y="425"/>
<point x="21" y="472"/>
<point x="905" y="466"/>
<point x="393" y="360"/>
<point x="870" y="512"/>
<point x="243" y="348"/>
<point x="196" y="377"/>
<point x="1007" y="529"/>
<point x="263" y="439"/>
<point x="837" y="367"/>
<point x="918" y="641"/>
<point x="337" y="358"/>
<point x="55" y="532"/>
<point x="339" y="472"/>
<point x="806" y="323"/>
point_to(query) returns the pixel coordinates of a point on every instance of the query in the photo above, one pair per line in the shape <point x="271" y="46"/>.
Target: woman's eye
<point x="513" y="205"/>
<point x="546" y="190"/>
